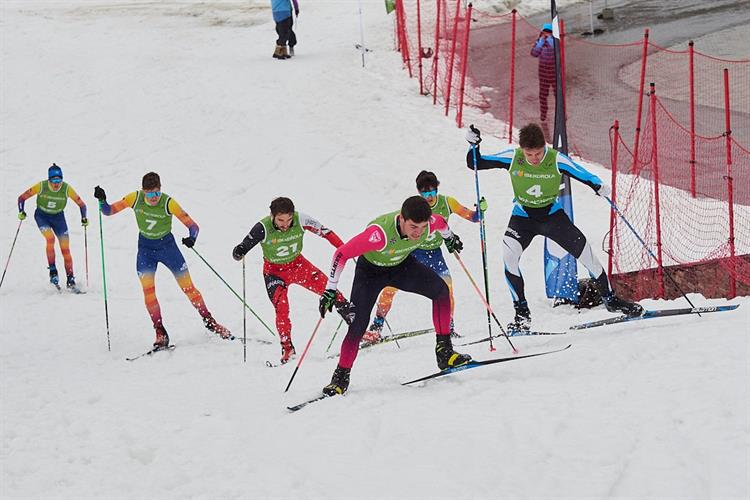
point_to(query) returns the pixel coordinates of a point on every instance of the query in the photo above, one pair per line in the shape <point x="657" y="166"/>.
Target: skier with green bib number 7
<point x="535" y="174"/>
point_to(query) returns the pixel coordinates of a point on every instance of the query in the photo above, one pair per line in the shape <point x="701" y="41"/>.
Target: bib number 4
<point x="535" y="191"/>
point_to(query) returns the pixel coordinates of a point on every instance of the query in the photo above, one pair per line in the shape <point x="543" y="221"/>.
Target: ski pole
<point x="232" y="289"/>
<point x="104" y="275"/>
<point x="669" y="275"/>
<point x="391" y="331"/>
<point x="334" y="334"/>
<point x="483" y="243"/>
<point x="11" y="252"/>
<point x="302" y="358"/>
<point x="486" y="304"/>
<point x="86" y="252"/>
<point x="244" y="314"/>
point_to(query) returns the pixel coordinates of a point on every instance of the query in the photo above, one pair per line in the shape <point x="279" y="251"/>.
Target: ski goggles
<point x="428" y="194"/>
<point x="56" y="180"/>
<point x="151" y="195"/>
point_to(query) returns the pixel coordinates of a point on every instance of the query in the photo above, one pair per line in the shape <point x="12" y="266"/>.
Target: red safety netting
<point x="679" y="229"/>
<point x="483" y="68"/>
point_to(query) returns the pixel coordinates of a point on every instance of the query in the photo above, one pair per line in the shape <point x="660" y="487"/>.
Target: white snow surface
<point x="109" y="91"/>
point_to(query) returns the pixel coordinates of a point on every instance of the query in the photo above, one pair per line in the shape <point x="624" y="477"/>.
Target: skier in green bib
<point x="535" y="174"/>
<point x="429" y="252"/>
<point x="51" y="198"/>
<point x="280" y="236"/>
<point x="386" y="247"/>
<point x="156" y="244"/>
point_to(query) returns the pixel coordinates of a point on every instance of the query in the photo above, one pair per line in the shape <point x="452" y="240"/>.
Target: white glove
<point x="473" y="136"/>
<point x="604" y="191"/>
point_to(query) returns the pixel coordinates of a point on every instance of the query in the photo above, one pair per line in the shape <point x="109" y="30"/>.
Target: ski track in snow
<point x="652" y="409"/>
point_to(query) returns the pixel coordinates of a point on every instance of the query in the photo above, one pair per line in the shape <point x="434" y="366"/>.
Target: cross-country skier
<point x="280" y="236"/>
<point x="386" y="247"/>
<point x="51" y="197"/>
<point x="429" y="252"/>
<point x="153" y="214"/>
<point x="535" y="174"/>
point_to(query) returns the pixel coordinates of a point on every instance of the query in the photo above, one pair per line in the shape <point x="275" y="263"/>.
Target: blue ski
<point x="657" y="313"/>
<point x="476" y="364"/>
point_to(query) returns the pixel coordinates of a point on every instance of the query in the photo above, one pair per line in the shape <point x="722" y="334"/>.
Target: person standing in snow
<point x="282" y="16"/>
<point x="280" y="236"/>
<point x="544" y="49"/>
<point x="156" y="244"/>
<point x="535" y="174"/>
<point x="51" y="197"/>
<point x="386" y="247"/>
<point x="429" y="252"/>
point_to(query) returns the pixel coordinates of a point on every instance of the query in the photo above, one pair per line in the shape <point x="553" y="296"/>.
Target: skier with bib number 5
<point x="51" y="198"/>
<point x="156" y="244"/>
<point x="535" y="173"/>
<point x="280" y="236"/>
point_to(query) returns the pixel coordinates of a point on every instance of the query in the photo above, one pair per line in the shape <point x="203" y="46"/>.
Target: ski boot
<point x="522" y="320"/>
<point x="53" y="278"/>
<point x="613" y="303"/>
<point x="346" y="311"/>
<point x="446" y="356"/>
<point x="339" y="382"/>
<point x="291" y="51"/>
<point x="212" y="326"/>
<point x="287" y="351"/>
<point x="372" y="335"/>
<point x="162" y="338"/>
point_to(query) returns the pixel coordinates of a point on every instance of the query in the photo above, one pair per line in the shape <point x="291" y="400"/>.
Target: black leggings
<point x="558" y="228"/>
<point x="409" y="276"/>
<point x="285" y="32"/>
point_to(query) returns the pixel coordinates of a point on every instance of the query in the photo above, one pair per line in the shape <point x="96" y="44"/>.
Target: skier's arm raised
<point x="255" y="236"/>
<point x="127" y="201"/>
<point x="314" y="226"/>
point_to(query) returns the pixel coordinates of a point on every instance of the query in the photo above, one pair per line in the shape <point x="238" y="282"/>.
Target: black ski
<point x="519" y="333"/>
<point x="656" y="313"/>
<point x="391" y="338"/>
<point x="151" y="352"/>
<point x="303" y="404"/>
<point x="476" y="364"/>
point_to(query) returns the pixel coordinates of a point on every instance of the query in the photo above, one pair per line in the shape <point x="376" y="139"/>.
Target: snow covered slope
<point x="110" y="91"/>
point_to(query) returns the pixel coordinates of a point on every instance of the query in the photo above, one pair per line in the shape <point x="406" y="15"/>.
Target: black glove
<point x="99" y="194"/>
<point x="238" y="252"/>
<point x="473" y="135"/>
<point x="296" y="12"/>
<point x="84" y="221"/>
<point x="326" y="302"/>
<point x="454" y="244"/>
<point x="188" y="242"/>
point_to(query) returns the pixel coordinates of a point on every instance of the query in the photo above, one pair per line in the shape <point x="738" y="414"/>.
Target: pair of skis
<point x="447" y="371"/>
<point x="649" y="314"/>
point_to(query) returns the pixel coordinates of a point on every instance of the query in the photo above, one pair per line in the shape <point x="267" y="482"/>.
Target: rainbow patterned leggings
<point x="51" y="225"/>
<point x="165" y="251"/>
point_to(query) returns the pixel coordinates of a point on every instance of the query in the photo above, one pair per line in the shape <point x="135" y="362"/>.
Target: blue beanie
<point x="54" y="171"/>
<point x="547" y="27"/>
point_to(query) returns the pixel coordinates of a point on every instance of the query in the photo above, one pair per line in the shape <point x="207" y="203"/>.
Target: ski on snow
<point x="305" y="403"/>
<point x="656" y="313"/>
<point x="519" y="333"/>
<point x="390" y="338"/>
<point x="469" y="365"/>
<point x="151" y="352"/>
<point x="477" y="364"/>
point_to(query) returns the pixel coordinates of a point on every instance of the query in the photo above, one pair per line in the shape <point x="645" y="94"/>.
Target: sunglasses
<point x="56" y="180"/>
<point x="152" y="194"/>
<point x="428" y="194"/>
